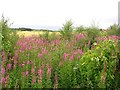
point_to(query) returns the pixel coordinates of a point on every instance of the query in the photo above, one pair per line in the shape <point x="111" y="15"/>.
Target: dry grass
<point x="30" y="33"/>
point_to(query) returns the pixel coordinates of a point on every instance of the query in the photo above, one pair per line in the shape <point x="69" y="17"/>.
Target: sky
<point x="52" y="14"/>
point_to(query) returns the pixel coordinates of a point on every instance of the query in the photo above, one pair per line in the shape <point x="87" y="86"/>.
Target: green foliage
<point x="114" y="30"/>
<point x="97" y="67"/>
<point x="0" y="34"/>
<point x="9" y="37"/>
<point x="48" y="61"/>
<point x="46" y="35"/>
<point x="118" y="31"/>
<point x="92" y="32"/>
<point x="80" y="29"/>
<point x="67" y="29"/>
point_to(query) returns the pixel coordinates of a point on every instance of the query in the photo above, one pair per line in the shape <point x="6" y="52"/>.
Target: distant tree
<point x="25" y="29"/>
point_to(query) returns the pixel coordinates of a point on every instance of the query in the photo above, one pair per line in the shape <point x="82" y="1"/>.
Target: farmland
<point x="84" y="58"/>
<point x="30" y="33"/>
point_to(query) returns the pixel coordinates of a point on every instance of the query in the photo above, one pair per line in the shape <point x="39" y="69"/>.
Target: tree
<point x="67" y="29"/>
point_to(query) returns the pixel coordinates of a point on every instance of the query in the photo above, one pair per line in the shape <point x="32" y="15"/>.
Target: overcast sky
<point x="52" y="14"/>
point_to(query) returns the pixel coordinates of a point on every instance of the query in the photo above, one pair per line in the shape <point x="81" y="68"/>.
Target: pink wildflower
<point x="56" y="41"/>
<point x="3" y="53"/>
<point x="79" y="51"/>
<point x="80" y="36"/>
<point x="71" y="57"/>
<point x="7" y="77"/>
<point x="3" y="71"/>
<point x="32" y="70"/>
<point x="9" y="66"/>
<point x="3" y="80"/>
<point x="40" y="71"/>
<point x="40" y="74"/>
<point x="39" y="55"/>
<point x="20" y="50"/>
<point x="3" y="56"/>
<point x="49" y="70"/>
<point x="44" y="51"/>
<point x="89" y="42"/>
<point x="28" y="62"/>
<point x="26" y="73"/>
<point x="22" y="64"/>
<point x="65" y="55"/>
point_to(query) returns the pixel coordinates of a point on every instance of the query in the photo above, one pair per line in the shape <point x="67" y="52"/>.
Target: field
<point x="30" y="33"/>
<point x="84" y="58"/>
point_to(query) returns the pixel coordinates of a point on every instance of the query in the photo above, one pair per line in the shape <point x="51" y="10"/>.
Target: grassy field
<point x="30" y="33"/>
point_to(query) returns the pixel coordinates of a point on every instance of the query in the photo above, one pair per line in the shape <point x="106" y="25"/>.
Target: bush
<point x="9" y="37"/>
<point x="92" y="33"/>
<point x="97" y="67"/>
<point x="80" y="29"/>
<point x="0" y="35"/>
<point x="114" y="30"/>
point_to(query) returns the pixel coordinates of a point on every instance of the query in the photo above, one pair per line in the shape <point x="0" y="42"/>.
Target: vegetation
<point x="114" y="30"/>
<point x="87" y="59"/>
<point x="9" y="37"/>
<point x="67" y="29"/>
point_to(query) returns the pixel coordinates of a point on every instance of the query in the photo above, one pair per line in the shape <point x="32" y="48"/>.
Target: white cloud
<point x="55" y="12"/>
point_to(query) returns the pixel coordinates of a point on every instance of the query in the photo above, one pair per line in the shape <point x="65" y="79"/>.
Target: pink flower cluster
<point x="3" y="56"/>
<point x="80" y="36"/>
<point x="34" y="42"/>
<point x="44" y="51"/>
<point x="4" y="80"/>
<point x="113" y="37"/>
<point x="29" y="43"/>
<point x="73" y="54"/>
<point x="40" y="73"/>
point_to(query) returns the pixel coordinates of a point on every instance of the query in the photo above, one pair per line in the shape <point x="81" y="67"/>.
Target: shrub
<point x="80" y="29"/>
<point x="114" y="30"/>
<point x="92" y="33"/>
<point x="0" y="34"/>
<point x="9" y="37"/>
<point x="97" y="67"/>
